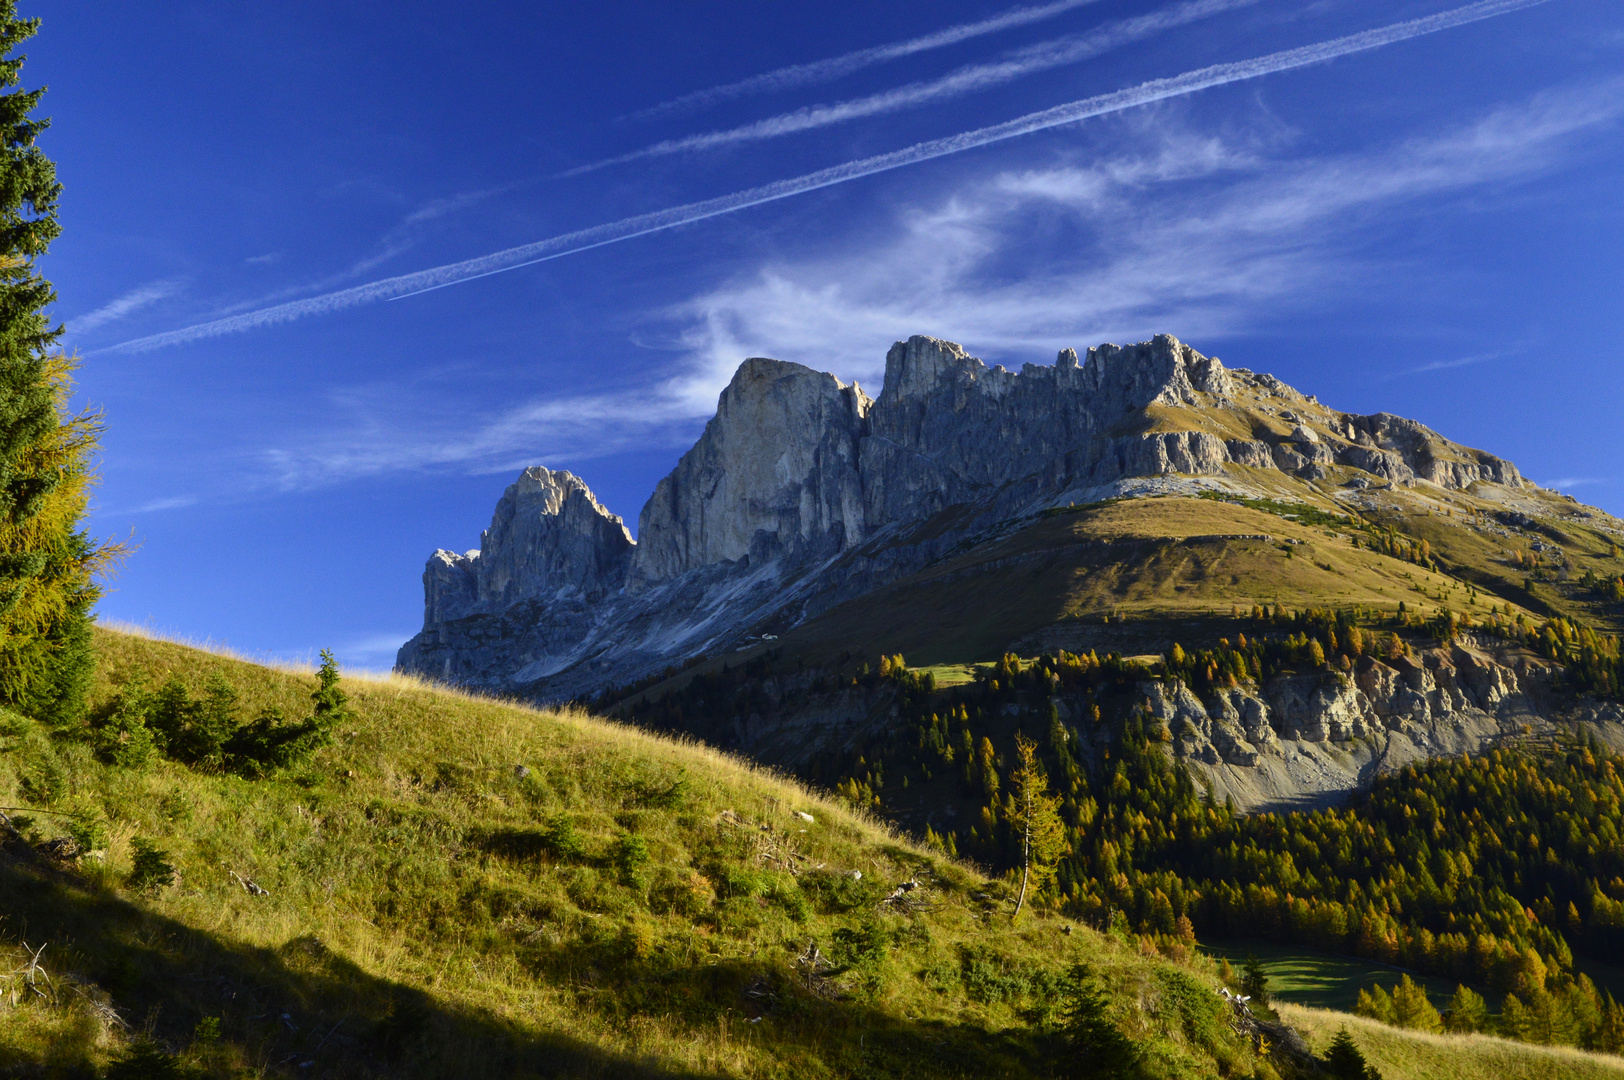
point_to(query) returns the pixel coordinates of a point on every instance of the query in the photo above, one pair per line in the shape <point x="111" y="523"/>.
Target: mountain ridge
<point x="803" y="493"/>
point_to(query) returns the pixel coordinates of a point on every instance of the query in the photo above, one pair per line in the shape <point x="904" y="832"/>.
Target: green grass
<point x="422" y="917"/>
<point x="1320" y="980"/>
<point x="947" y="675"/>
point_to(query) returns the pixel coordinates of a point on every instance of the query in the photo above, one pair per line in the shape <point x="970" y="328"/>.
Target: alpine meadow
<point x="992" y="682"/>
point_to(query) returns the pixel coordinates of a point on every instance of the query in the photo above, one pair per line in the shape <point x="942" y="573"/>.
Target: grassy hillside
<point x="1560" y="562"/>
<point x="457" y="886"/>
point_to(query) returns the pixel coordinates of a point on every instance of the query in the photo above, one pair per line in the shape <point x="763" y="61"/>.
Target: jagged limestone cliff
<point x="803" y="493"/>
<point x="552" y="556"/>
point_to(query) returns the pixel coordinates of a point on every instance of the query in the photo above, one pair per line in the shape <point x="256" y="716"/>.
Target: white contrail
<point x="117" y="308"/>
<point x="1071" y="49"/>
<point x="585" y="239"/>
<point x="819" y="71"/>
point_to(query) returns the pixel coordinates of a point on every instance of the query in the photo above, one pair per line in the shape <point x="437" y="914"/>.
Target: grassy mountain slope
<point x="1398" y="1052"/>
<point x="425" y="910"/>
<point x="1135" y="575"/>
<point x="1147" y="562"/>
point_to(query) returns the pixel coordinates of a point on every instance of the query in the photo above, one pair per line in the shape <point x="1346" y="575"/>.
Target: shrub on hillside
<point x="1344" y="1061"/>
<point x="269" y="742"/>
<point x="206" y="732"/>
<point x="563" y="840"/>
<point x="152" y="869"/>
<point x="1097" y="1049"/>
<point x="631" y="856"/>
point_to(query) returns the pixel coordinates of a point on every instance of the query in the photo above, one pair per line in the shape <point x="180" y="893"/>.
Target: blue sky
<point x="1427" y="222"/>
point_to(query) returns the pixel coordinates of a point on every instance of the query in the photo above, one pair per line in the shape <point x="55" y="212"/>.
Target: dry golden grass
<point x="1154" y="561"/>
<point x="1401" y="1054"/>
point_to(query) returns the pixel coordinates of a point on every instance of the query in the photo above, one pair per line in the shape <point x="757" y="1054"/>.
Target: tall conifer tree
<point x="47" y="562"/>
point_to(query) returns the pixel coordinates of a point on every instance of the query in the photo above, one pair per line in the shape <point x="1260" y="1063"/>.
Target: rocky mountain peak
<point x="803" y="492"/>
<point x="548" y="536"/>
<point x="774" y="474"/>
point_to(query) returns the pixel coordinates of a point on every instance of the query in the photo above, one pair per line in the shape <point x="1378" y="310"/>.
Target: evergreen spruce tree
<point x="1344" y="1061"/>
<point x="47" y="563"/>
<point x="1098" y="1050"/>
<point x="1255" y="982"/>
<point x="331" y="704"/>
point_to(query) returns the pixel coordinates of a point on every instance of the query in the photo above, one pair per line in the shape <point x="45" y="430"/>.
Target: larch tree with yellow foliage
<point x="48" y="563"/>
<point x="1036" y="819"/>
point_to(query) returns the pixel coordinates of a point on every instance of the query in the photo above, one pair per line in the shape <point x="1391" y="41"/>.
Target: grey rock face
<point x="1297" y="740"/>
<point x="550" y="536"/>
<point x="774" y="474"/>
<point x="803" y="492"/>
<point x="947" y="430"/>
<point x="1417" y="447"/>
<point x="1250" y="452"/>
<point x="450" y="586"/>
<point x="551" y="552"/>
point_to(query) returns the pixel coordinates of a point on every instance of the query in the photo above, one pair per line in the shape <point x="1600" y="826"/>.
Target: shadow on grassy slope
<point x="302" y="1003"/>
<point x="284" y="1007"/>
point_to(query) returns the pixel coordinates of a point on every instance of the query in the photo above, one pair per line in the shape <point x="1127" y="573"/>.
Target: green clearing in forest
<point x="1320" y="980"/>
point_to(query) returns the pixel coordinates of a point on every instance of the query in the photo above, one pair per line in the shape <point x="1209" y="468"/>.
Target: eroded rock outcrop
<point x="1308" y="739"/>
<point x="947" y="430"/>
<point x="552" y="556"/>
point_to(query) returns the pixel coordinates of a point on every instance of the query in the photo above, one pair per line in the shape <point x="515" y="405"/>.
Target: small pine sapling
<point x="152" y="869"/>
<point x="1097" y="1049"/>
<point x="1343" y="1061"/>
<point x="1255" y="982"/>
<point x="331" y="704"/>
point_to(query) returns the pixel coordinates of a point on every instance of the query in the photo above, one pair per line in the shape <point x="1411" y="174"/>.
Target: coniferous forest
<point x="1493" y="870"/>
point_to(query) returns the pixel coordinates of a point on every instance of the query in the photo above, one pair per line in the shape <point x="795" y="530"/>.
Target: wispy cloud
<point x="127" y="304"/>
<point x="405" y="236"/>
<point x="1144" y="248"/>
<point x="368" y="650"/>
<point x="1445" y="365"/>
<point x="1182" y="231"/>
<point x="835" y="67"/>
<point x="399" y="239"/>
<point x="154" y="506"/>
<point x="1566" y="482"/>
<point x="644" y="224"/>
<point x="966" y="80"/>
<point x="385" y="434"/>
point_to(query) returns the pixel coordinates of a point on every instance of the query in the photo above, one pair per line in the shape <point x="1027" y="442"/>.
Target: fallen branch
<point x="909" y="897"/>
<point x="29" y="977"/>
<point x="815" y="970"/>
